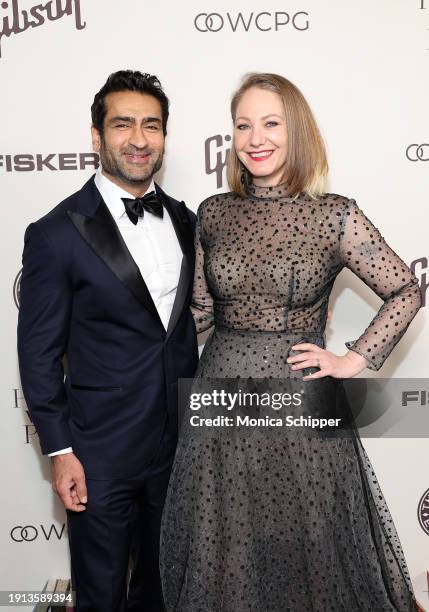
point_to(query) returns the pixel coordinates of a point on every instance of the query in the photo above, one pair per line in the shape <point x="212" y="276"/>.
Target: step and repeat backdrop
<point x="362" y="66"/>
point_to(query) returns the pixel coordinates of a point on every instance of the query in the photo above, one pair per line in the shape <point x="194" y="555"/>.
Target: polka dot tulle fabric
<point x="287" y="523"/>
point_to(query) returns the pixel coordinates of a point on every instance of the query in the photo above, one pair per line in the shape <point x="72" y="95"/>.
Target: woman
<point x="290" y="523"/>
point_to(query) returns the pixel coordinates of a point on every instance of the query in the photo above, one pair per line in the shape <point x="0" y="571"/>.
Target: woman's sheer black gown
<point x="290" y="523"/>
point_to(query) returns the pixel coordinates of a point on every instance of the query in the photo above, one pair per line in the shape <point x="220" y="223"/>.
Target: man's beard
<point x="112" y="165"/>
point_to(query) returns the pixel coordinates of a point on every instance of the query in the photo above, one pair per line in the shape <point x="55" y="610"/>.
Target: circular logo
<point x="209" y="22"/>
<point x="423" y="512"/>
<point x="17" y="288"/>
<point x="416" y="152"/>
<point x="24" y="534"/>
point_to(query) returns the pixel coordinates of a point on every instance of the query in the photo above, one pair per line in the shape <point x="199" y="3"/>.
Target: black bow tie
<point x="135" y="208"/>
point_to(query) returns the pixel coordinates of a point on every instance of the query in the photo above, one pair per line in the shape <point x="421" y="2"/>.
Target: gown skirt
<point x="283" y="523"/>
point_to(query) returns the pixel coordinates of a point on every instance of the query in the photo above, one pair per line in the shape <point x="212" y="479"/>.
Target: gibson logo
<point x="216" y="151"/>
<point x="19" y="20"/>
<point x="419" y="267"/>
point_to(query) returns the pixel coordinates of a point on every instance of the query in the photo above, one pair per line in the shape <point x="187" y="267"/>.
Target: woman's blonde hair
<point x="306" y="164"/>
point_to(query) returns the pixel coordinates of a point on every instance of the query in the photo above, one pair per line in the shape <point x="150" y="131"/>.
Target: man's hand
<point x="68" y="481"/>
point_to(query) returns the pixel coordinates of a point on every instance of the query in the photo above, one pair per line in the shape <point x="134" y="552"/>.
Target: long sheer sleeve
<point x="365" y="252"/>
<point x="202" y="300"/>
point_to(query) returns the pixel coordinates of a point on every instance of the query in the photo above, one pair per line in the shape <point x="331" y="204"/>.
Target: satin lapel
<point x="102" y="234"/>
<point x="182" y="293"/>
<point x="184" y="233"/>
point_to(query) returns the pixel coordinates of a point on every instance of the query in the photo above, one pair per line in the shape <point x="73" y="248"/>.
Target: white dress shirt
<point x="153" y="245"/>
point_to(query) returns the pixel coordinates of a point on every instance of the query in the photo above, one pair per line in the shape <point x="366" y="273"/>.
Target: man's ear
<point x="96" y="139"/>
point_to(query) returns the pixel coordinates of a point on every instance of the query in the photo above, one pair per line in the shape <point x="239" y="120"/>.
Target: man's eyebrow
<point x="122" y="118"/>
<point x="151" y="120"/>
<point x="133" y="120"/>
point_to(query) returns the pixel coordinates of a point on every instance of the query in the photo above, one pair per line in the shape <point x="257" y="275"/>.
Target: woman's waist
<point x="261" y="330"/>
<point x="309" y="319"/>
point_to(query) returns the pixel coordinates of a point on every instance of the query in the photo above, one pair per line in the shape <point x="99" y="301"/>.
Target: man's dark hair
<point x="128" y="80"/>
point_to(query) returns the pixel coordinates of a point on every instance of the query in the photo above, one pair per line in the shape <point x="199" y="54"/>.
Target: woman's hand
<point x="313" y="356"/>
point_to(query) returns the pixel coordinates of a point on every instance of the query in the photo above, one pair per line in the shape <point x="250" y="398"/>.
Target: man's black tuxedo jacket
<point x="82" y="295"/>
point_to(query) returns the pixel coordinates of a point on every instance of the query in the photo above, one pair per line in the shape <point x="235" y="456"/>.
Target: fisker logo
<point x="29" y="533"/>
<point x="17" y="288"/>
<point x="415" y="397"/>
<point x="240" y="22"/>
<point x="27" y="162"/>
<point x="16" y="20"/>
<point x="216" y="153"/>
<point x="418" y="152"/>
<point x="423" y="512"/>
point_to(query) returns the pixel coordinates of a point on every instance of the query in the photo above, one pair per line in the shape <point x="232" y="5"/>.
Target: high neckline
<point x="269" y="193"/>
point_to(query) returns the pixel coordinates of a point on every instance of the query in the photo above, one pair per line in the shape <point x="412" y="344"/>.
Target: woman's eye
<point x="242" y="126"/>
<point x="271" y="123"/>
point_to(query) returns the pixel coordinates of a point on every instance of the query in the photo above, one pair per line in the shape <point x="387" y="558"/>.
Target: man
<point x="107" y="282"/>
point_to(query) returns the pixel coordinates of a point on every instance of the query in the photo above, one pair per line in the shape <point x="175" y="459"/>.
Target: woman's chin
<point x="259" y="173"/>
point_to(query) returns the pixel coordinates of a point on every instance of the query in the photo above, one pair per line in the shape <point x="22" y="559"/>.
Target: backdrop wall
<point x="363" y="68"/>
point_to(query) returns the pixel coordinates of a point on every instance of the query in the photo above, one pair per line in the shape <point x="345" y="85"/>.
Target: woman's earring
<point x="243" y="175"/>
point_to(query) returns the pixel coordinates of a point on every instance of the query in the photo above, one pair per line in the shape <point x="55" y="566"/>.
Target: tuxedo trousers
<point x="121" y="523"/>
